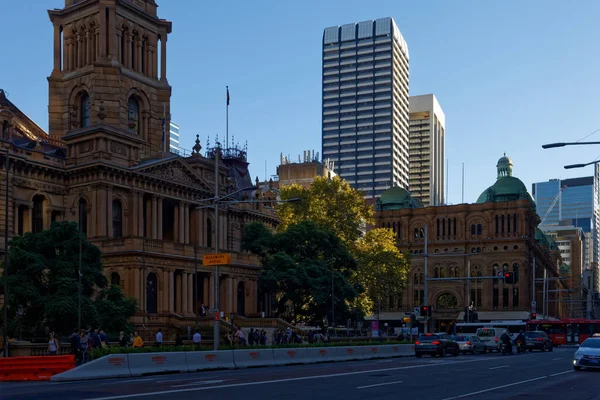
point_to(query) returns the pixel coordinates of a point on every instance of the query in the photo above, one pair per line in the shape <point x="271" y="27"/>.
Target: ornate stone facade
<point x="103" y="165"/>
<point x="496" y="235"/>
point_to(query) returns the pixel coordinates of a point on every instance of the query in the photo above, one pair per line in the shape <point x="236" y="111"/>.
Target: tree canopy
<point x="382" y="268"/>
<point x="43" y="280"/>
<point x="330" y="203"/>
<point x="299" y="265"/>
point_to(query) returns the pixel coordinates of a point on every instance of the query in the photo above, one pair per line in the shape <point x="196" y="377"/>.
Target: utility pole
<point x="144" y="309"/>
<point x="533" y="294"/>
<point x="217" y="331"/>
<point x="79" y="273"/>
<point x="425" y="255"/>
<point x="468" y="290"/>
<point x="196" y="309"/>
<point x="5" y="306"/>
<point x="332" y="302"/>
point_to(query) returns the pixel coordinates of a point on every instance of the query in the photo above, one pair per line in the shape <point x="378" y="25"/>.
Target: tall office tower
<point x="365" y="104"/>
<point x="578" y="204"/>
<point x="174" y="138"/>
<point x="427" y="150"/>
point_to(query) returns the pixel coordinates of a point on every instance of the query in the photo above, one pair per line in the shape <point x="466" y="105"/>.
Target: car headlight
<point x="578" y="356"/>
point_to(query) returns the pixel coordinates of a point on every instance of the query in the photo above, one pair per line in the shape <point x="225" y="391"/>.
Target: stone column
<point x="57" y="49"/>
<point x="112" y="33"/>
<point x="190" y="299"/>
<point x="88" y="46"/>
<point x="211" y="291"/>
<point x="187" y="223"/>
<point x="184" y="293"/>
<point x="140" y="201"/>
<point x="109" y="213"/>
<point x="171" y="292"/>
<point x="234" y="296"/>
<point x="101" y="215"/>
<point x="165" y="292"/>
<point x="205" y="299"/>
<point x="80" y="53"/>
<point x="154" y="218"/>
<point x="181" y="230"/>
<point x="230" y="294"/>
<point x="178" y="294"/>
<point x="127" y="43"/>
<point x="163" y="56"/>
<point x="136" y="287"/>
<point x="138" y="58"/>
<point x="160" y="218"/>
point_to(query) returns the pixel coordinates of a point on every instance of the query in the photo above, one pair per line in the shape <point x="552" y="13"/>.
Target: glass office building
<point x="365" y="130"/>
<point x="174" y="138"/>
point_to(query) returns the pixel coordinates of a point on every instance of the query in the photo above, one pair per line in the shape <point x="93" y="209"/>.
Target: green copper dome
<point x="507" y="187"/>
<point x="396" y="198"/>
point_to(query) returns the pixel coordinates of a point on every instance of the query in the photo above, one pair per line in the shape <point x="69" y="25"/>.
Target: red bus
<point x="567" y="330"/>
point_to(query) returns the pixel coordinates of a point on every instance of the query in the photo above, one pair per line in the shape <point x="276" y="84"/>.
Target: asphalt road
<point x="536" y="375"/>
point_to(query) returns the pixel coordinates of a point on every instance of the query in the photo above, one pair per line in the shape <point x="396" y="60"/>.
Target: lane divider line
<point x="496" y="388"/>
<point x="556" y="359"/>
<point x="379" y="384"/>
<point x="199" y="383"/>
<point x="501" y="366"/>
<point x="562" y="373"/>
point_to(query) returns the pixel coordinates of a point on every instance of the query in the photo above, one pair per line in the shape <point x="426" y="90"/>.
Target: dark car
<point x="538" y="340"/>
<point x="436" y="344"/>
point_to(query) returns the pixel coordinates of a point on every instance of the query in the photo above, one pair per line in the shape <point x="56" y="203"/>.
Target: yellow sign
<point x="216" y="259"/>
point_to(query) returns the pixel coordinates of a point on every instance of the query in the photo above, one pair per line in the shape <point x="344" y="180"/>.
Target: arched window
<point x="421" y="278"/>
<point x="446" y="300"/>
<point x="451" y="272"/>
<point x="117" y="218"/>
<point x="473" y="231"/>
<point x="37" y="220"/>
<point x="115" y="279"/>
<point x="478" y="275"/>
<point x="504" y="268"/>
<point x="497" y="225"/>
<point x="416" y="233"/>
<point x="516" y="272"/>
<point x="496" y="272"/>
<point x="479" y="229"/>
<point x="83" y="216"/>
<point x="442" y="273"/>
<point x="416" y="279"/>
<point x="456" y="273"/>
<point x="436" y="273"/>
<point x="84" y="107"/>
<point x="133" y="115"/>
<point x="208" y="233"/>
<point x="151" y="293"/>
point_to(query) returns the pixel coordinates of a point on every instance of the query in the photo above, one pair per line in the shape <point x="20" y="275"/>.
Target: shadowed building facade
<point x="102" y="164"/>
<point x="497" y="234"/>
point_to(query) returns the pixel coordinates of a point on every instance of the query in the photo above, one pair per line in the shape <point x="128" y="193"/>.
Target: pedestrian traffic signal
<point x="509" y="277"/>
<point x="533" y="315"/>
<point x="425" y="311"/>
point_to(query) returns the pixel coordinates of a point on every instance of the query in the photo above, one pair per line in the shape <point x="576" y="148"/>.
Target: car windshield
<point x="486" y="332"/>
<point x="591" y="343"/>
<point x="428" y="338"/>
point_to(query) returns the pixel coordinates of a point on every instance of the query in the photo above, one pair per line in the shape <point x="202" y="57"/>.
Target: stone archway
<point x="446" y="301"/>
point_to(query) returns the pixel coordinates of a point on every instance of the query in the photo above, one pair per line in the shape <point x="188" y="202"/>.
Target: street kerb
<point x="348" y="353"/>
<point x="157" y="363"/>
<point x="321" y="354"/>
<point x="205" y="360"/>
<point x="253" y="358"/>
<point x="113" y="366"/>
<point x="291" y="356"/>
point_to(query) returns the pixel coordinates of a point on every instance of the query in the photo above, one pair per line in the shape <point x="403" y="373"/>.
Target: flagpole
<point x="227" y="121"/>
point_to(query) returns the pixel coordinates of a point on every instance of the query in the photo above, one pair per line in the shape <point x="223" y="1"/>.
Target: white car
<point x="588" y="354"/>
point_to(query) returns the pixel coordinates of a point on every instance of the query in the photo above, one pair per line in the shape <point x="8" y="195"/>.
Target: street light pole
<point x="217" y="331"/>
<point x="79" y="273"/>
<point x="425" y="255"/>
<point x="332" y="302"/>
<point x="5" y="306"/>
<point x="196" y="309"/>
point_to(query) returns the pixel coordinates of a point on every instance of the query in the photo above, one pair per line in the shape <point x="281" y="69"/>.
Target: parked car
<point x="588" y="354"/>
<point x="538" y="340"/>
<point x="491" y="337"/>
<point x="470" y="344"/>
<point x="436" y="344"/>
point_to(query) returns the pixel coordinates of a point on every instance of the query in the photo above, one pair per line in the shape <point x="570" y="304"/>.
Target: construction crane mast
<point x="554" y="201"/>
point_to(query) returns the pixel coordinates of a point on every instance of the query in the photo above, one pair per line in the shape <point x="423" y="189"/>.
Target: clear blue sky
<point x="510" y="75"/>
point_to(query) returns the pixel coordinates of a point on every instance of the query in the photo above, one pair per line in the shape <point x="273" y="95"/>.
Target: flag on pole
<point x="227" y="95"/>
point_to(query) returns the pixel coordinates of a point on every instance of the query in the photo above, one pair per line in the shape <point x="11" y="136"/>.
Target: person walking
<point x="197" y="339"/>
<point x="159" y="338"/>
<point x="53" y="345"/>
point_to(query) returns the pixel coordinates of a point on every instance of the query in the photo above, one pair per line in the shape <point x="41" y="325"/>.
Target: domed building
<point x="495" y="235"/>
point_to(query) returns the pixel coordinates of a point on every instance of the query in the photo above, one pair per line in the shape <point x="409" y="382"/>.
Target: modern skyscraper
<point x="365" y="104"/>
<point x="427" y="150"/>
<point x="174" y="138"/>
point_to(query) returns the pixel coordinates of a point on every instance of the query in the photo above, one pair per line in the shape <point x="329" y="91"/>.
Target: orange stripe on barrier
<point x="34" y="368"/>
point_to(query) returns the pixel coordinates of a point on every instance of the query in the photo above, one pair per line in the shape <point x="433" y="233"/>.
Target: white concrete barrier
<point x="291" y="356"/>
<point x="113" y="366"/>
<point x="349" y="353"/>
<point x="253" y="358"/>
<point x="156" y="363"/>
<point x="205" y="360"/>
<point x="321" y="354"/>
<point x="370" y="352"/>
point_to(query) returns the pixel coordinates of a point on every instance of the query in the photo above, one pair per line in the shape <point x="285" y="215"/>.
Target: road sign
<point x="216" y="259"/>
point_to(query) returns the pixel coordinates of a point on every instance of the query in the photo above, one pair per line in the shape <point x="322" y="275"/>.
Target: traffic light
<point x="425" y="311"/>
<point x="533" y="315"/>
<point x="509" y="277"/>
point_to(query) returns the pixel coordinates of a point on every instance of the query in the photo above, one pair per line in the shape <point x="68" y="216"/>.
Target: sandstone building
<point x="495" y="235"/>
<point x="104" y="163"/>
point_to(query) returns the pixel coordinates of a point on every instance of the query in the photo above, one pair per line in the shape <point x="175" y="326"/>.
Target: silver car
<point x="470" y="344"/>
<point x="588" y="354"/>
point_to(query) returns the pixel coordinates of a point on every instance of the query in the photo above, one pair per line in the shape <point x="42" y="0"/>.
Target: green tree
<point x="382" y="268"/>
<point x="43" y="280"/>
<point x="330" y="203"/>
<point x="299" y="265"/>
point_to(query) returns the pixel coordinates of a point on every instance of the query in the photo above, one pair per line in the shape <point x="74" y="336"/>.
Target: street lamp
<point x="563" y="144"/>
<point x="6" y="208"/>
<point x="581" y="165"/>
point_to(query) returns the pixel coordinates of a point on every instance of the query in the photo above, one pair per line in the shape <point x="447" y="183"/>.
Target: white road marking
<point x="562" y="373"/>
<point x="164" y="392"/>
<point x="501" y="366"/>
<point x="138" y="380"/>
<point x="556" y="359"/>
<point x="379" y="384"/>
<point x="385" y="361"/>
<point x="198" y="383"/>
<point x="495" y="388"/>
